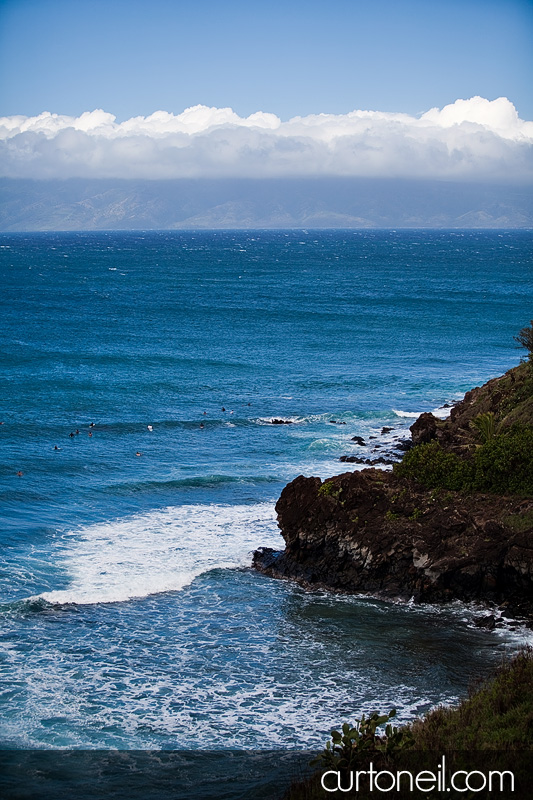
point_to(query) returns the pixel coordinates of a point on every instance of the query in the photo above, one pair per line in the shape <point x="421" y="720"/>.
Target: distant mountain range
<point x="83" y="204"/>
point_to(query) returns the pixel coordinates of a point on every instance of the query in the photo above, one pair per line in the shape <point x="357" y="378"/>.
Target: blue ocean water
<point x="129" y="615"/>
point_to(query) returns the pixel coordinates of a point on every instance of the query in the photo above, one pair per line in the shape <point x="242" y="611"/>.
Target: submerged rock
<point x="368" y="461"/>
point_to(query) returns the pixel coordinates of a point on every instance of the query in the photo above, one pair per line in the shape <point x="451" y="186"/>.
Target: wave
<point x="441" y="412"/>
<point x="407" y="414"/>
<point x="158" y="551"/>
<point x="338" y="417"/>
<point x="196" y="482"/>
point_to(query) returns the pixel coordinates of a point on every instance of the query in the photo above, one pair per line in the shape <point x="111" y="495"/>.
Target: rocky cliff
<point x="389" y="535"/>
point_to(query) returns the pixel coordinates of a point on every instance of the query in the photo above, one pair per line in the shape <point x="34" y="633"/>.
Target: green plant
<point x="502" y="464"/>
<point x="485" y="425"/>
<point x="327" y="489"/>
<point x="356" y="742"/>
<point x="505" y="463"/>
<point x="519" y="522"/>
<point x="433" y="467"/>
<point x="417" y="513"/>
<point x="525" y="339"/>
<point x="391" y="516"/>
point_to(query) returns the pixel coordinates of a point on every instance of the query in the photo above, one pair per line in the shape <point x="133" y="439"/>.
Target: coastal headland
<point x="453" y="520"/>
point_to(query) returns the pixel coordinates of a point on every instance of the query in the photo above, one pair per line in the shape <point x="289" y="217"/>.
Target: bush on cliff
<point x="503" y="464"/>
<point x="525" y="339"/>
<point x="431" y="466"/>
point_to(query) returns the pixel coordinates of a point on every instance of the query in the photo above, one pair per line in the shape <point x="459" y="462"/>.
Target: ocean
<point x="139" y="470"/>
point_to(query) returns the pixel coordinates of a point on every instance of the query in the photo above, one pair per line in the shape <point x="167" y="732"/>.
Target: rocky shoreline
<point x="379" y="533"/>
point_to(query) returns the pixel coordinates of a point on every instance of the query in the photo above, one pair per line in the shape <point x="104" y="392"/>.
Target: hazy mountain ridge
<point x="89" y="204"/>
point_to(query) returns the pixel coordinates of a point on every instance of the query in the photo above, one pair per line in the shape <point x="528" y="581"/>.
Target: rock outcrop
<point x="374" y="532"/>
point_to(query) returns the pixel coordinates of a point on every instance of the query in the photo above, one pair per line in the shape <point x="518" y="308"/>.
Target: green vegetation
<point x="327" y="489"/>
<point x="525" y="339"/>
<point x="485" y="424"/>
<point x="519" y="522"/>
<point x="501" y="460"/>
<point x="356" y="743"/>
<point x="499" y="716"/>
<point x="433" y="467"/>
<point x="496" y="719"/>
<point x="503" y="464"/>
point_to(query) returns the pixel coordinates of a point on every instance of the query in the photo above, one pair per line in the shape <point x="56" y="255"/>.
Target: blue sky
<point x="289" y="58"/>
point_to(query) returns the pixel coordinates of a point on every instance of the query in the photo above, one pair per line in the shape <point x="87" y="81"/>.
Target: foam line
<point x="159" y="551"/>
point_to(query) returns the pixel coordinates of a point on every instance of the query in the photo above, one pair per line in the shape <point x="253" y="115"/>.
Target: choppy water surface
<point x="129" y="615"/>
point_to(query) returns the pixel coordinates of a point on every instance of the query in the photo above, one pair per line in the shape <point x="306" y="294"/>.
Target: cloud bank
<point x="475" y="139"/>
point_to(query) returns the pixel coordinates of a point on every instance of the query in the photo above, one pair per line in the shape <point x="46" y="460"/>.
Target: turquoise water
<point x="129" y="615"/>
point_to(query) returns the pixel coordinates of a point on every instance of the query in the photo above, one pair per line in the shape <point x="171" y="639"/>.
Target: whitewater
<point x="140" y="465"/>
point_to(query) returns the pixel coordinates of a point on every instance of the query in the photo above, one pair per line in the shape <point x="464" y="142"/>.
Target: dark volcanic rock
<point x="368" y="461"/>
<point x="424" y="429"/>
<point x="371" y="532"/>
<point x="359" y="440"/>
<point x="488" y="622"/>
<point x="375" y="532"/>
<point x="403" y="445"/>
<point x="281" y="422"/>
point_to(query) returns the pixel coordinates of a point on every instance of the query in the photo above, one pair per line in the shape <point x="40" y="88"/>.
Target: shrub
<point x="357" y="742"/>
<point x="485" y="425"/>
<point x="327" y="489"/>
<point x="525" y="339"/>
<point x="505" y="463"/>
<point x="502" y="464"/>
<point x="432" y="467"/>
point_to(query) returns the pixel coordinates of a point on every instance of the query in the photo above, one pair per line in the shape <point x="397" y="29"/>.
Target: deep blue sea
<point x="129" y="615"/>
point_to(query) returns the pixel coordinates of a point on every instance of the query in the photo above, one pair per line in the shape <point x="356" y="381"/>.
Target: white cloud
<point x="475" y="139"/>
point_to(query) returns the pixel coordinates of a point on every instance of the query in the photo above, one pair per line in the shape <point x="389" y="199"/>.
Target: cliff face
<point x="375" y="532"/>
<point x="509" y="398"/>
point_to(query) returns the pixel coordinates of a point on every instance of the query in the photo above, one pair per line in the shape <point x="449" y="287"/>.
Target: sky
<point x="171" y="88"/>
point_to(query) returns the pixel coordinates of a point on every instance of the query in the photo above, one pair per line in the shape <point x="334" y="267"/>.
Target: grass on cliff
<point x="499" y="458"/>
<point x="497" y="717"/>
<point x="511" y="399"/>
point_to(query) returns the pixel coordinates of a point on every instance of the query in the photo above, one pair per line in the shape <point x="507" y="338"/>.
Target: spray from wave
<point x="159" y="551"/>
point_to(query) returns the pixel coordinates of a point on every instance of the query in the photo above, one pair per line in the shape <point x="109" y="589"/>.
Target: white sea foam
<point x="160" y="551"/>
<point x="412" y="414"/>
<point x="440" y="412"/>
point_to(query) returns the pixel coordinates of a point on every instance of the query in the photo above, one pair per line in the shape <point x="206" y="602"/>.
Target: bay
<point x="129" y="615"/>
